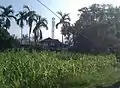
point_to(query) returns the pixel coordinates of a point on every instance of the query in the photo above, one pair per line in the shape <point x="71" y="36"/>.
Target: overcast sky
<point x="67" y="6"/>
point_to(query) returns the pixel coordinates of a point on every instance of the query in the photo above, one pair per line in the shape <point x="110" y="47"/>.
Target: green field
<point x="56" y="70"/>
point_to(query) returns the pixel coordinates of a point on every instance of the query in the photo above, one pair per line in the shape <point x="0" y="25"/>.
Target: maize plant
<point x="56" y="70"/>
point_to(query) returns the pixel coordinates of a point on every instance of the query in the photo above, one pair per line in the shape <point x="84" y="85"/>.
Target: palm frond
<point x="2" y="15"/>
<point x="18" y="21"/>
<point x="21" y="18"/>
<point x="38" y="17"/>
<point x="20" y="13"/>
<point x="17" y="15"/>
<point x="58" y="25"/>
<point x="7" y="24"/>
<point x="9" y="7"/>
<point x="12" y="17"/>
<point x="26" y="7"/>
<point x="11" y="11"/>
<point x="44" y="25"/>
<point x="66" y="17"/>
<point x="67" y="23"/>
<point x="30" y="13"/>
<point x="30" y="20"/>
<point x="60" y="13"/>
<point x="34" y="19"/>
<point x="2" y="7"/>
<point x="44" y="20"/>
<point x="83" y="9"/>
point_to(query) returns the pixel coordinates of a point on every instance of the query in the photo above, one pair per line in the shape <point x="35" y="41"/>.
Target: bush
<point x="7" y="41"/>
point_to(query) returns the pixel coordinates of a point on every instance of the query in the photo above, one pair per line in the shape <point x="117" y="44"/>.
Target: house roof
<point x="50" y="40"/>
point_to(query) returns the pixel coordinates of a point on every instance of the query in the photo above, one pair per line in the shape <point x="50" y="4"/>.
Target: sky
<point x="66" y="6"/>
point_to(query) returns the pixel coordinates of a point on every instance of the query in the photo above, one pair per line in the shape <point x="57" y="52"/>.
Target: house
<point x="52" y="44"/>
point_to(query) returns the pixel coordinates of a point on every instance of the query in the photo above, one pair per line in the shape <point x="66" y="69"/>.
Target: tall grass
<point x="55" y="70"/>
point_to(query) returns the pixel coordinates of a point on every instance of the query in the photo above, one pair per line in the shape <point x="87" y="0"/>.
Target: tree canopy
<point x="98" y="24"/>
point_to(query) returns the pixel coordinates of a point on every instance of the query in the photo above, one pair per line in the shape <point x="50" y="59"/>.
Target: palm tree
<point x="7" y="14"/>
<point x="65" y="20"/>
<point x="20" y="21"/>
<point x="30" y="18"/>
<point x="41" y="22"/>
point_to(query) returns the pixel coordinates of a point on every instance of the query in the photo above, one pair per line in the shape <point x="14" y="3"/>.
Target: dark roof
<point x="55" y="41"/>
<point x="50" y="40"/>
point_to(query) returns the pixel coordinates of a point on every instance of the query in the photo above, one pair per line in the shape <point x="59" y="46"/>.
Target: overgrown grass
<point x="56" y="70"/>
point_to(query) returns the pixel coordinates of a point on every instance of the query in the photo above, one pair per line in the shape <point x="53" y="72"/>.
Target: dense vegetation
<point x="7" y="41"/>
<point x="96" y="30"/>
<point x="97" y="27"/>
<point x="56" y="70"/>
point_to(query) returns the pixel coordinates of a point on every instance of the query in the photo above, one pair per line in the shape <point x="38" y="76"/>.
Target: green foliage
<point x="41" y="22"/>
<point x="6" y="14"/>
<point x="7" y="41"/>
<point x="98" y="24"/>
<point x="20" y="21"/>
<point x="65" y="22"/>
<point x="55" y="70"/>
<point x="30" y="18"/>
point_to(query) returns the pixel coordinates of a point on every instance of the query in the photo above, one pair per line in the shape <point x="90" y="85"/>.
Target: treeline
<point x="97" y="29"/>
<point x="26" y="16"/>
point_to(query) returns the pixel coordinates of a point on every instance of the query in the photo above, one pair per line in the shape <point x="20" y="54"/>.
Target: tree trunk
<point x="62" y="38"/>
<point x="29" y="38"/>
<point x="21" y="34"/>
<point x="35" y="40"/>
<point x="62" y="41"/>
<point x="73" y="39"/>
<point x="29" y="34"/>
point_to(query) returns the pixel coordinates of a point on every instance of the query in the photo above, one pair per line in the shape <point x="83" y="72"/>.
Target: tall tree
<point x="69" y="34"/>
<point x="7" y="13"/>
<point x="41" y="22"/>
<point x="30" y="18"/>
<point x="98" y="23"/>
<point x="64" y="21"/>
<point x="20" y="21"/>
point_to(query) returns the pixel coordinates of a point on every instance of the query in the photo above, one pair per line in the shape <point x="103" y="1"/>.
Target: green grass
<point x="56" y="70"/>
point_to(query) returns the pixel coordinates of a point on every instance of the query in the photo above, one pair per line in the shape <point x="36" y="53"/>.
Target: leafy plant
<point x="55" y="70"/>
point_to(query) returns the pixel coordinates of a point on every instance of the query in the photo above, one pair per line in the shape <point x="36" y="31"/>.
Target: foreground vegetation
<point x="96" y="29"/>
<point x="56" y="70"/>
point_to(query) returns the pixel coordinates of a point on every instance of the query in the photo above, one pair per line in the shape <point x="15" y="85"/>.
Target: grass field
<point x="56" y="70"/>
